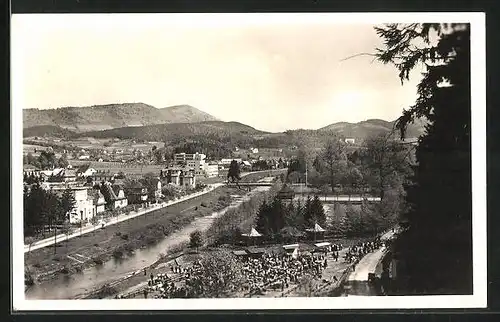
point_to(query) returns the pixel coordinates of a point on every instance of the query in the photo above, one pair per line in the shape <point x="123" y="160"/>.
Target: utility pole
<point x="306" y="173"/>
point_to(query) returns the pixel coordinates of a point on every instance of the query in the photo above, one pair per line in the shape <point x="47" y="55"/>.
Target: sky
<point x="272" y="74"/>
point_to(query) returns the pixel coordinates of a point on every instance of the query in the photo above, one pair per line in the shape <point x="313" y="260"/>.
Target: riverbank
<point x="94" y="248"/>
<point x="127" y="284"/>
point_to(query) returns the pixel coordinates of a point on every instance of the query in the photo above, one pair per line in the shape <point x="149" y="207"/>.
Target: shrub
<point x="118" y="253"/>
<point x="196" y="239"/>
<point x="106" y="291"/>
<point x="118" y="233"/>
<point x="124" y="236"/>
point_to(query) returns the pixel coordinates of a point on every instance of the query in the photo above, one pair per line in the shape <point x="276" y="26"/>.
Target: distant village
<point x="98" y="190"/>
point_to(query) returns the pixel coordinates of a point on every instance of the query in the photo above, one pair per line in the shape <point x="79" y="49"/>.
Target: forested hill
<point x="104" y="117"/>
<point x="161" y="132"/>
<point x="373" y="127"/>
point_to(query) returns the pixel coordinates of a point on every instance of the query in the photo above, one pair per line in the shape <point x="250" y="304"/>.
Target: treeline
<point x="46" y="160"/>
<point x="379" y="165"/>
<point x="229" y="226"/>
<point x="44" y="209"/>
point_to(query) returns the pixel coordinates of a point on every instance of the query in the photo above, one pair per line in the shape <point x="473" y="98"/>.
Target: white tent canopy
<point x="292" y="246"/>
<point x="324" y="244"/>
<point x="253" y="233"/>
<point x="317" y="229"/>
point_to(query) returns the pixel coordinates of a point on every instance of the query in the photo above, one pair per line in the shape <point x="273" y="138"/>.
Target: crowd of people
<point x="271" y="271"/>
<point x="278" y="271"/>
<point x="356" y="252"/>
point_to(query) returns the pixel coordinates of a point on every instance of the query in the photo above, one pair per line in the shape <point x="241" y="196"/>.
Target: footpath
<point x="369" y="262"/>
<point x="120" y="218"/>
<point x="123" y="217"/>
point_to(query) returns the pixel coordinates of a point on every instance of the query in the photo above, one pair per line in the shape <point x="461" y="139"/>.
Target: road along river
<point x="75" y="285"/>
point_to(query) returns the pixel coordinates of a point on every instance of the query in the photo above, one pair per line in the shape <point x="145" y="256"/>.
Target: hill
<point x="173" y="131"/>
<point x="185" y="114"/>
<point x="48" y="130"/>
<point x="364" y="129"/>
<point x="104" y="117"/>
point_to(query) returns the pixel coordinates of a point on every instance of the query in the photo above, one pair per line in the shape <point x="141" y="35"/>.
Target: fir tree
<point x="262" y="222"/>
<point x="437" y="247"/>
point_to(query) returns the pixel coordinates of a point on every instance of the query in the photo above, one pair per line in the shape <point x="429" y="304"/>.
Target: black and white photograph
<point x="248" y="161"/>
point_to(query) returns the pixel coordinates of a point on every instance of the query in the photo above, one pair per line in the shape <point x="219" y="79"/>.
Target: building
<point x="99" y="201"/>
<point x="121" y="200"/>
<point x="87" y="172"/>
<point x="178" y="176"/>
<point x="350" y="141"/>
<point x="224" y="162"/>
<point x="84" y="157"/>
<point x="245" y="166"/>
<point x="194" y="161"/>
<point x="254" y="150"/>
<point x="30" y="170"/>
<point x="211" y="170"/>
<point x="114" y="196"/>
<point x="186" y="157"/>
<point x="84" y="209"/>
<point x="136" y="193"/>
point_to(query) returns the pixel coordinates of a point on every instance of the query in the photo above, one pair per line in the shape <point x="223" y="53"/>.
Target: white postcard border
<point x="478" y="90"/>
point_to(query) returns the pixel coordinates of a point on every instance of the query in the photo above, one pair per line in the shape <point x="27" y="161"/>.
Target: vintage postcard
<point x="248" y="161"/>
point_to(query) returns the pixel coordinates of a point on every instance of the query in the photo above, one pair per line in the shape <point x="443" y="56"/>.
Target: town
<point x="113" y="187"/>
<point x="347" y="185"/>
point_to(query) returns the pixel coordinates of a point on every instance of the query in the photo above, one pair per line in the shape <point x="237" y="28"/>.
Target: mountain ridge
<point x="109" y="116"/>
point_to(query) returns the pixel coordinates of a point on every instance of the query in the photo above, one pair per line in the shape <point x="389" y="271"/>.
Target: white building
<point x="254" y="150"/>
<point x="84" y="208"/>
<point x="89" y="172"/>
<point x="194" y="161"/>
<point x="228" y="161"/>
<point x="84" y="157"/>
<point x="211" y="170"/>
<point x="350" y="141"/>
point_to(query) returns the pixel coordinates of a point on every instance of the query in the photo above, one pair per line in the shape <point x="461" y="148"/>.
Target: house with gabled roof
<point x="99" y="201"/>
<point x="114" y="196"/>
<point x="136" y="193"/>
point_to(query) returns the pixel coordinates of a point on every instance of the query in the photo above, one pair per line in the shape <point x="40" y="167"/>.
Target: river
<point x="75" y="285"/>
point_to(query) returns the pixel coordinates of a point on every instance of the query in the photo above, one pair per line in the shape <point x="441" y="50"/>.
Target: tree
<point x="196" y="239"/>
<point x="262" y="222"/>
<point x="47" y="160"/>
<point x="158" y="156"/>
<point x="277" y="213"/>
<point x="307" y="213"/>
<point x="439" y="237"/>
<point x="67" y="203"/>
<point x="314" y="212"/>
<point x="294" y="215"/>
<point x="150" y="182"/>
<point x="233" y="172"/>
<point x="219" y="276"/>
<point x="334" y="160"/>
<point x="385" y="160"/>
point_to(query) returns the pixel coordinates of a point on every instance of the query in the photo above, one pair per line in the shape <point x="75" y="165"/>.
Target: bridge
<point x="250" y="184"/>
